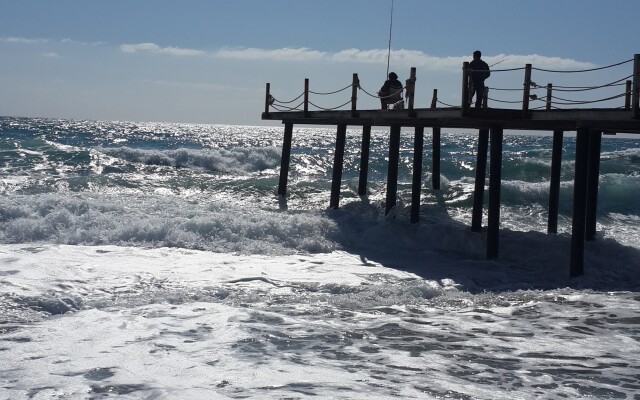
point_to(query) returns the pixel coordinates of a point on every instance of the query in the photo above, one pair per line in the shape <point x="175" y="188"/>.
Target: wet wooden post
<point x="481" y="172"/>
<point x="267" y="99"/>
<point x="636" y="86"/>
<point x="435" y="159"/>
<point x="495" y="179"/>
<point x="411" y="86"/>
<point x="554" y="186"/>
<point x="364" y="160"/>
<point x="354" y="95"/>
<point x="306" y="97"/>
<point x="579" y="203"/>
<point x="549" y="91"/>
<point x="465" y="88"/>
<point x="392" y="171"/>
<point x="527" y="91"/>
<point x="338" y="159"/>
<point x="627" y="96"/>
<point x="595" y="145"/>
<point x="434" y="99"/>
<point x="416" y="187"/>
<point x="285" y="158"/>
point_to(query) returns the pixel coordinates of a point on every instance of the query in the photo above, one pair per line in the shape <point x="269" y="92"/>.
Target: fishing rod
<point x="390" y="29"/>
<point x="501" y="61"/>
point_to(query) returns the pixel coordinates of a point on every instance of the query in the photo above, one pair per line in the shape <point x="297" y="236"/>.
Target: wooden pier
<point x="588" y="123"/>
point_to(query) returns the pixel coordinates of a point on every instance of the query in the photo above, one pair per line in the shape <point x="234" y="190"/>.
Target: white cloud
<point x="403" y="57"/>
<point x="154" y="48"/>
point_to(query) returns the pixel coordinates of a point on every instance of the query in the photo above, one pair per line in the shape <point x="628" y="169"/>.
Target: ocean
<point x="156" y="261"/>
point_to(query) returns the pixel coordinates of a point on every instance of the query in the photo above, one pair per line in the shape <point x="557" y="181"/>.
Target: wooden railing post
<point x="527" y="91"/>
<point x="354" y="95"/>
<point x="636" y="86"/>
<point x="434" y="99"/>
<point x="411" y="86"/>
<point x="549" y="91"/>
<point x="485" y="99"/>
<point x="465" y="88"/>
<point x="267" y="99"/>
<point x="306" y="97"/>
<point x="627" y="96"/>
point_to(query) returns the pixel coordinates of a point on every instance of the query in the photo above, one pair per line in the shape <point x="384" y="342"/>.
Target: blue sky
<point x="208" y="61"/>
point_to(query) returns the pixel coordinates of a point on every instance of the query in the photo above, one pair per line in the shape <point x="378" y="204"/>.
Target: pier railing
<point x="552" y="95"/>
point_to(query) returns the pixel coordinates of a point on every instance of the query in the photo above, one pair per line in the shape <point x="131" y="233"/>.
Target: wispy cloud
<point x="24" y="40"/>
<point x="50" y="55"/>
<point x="154" y="48"/>
<point x="284" y="54"/>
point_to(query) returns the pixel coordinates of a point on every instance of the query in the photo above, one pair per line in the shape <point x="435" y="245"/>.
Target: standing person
<point x="479" y="72"/>
<point x="391" y="92"/>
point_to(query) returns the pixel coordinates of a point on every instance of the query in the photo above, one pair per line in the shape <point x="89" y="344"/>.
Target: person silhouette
<point x="479" y="72"/>
<point x="391" y="92"/>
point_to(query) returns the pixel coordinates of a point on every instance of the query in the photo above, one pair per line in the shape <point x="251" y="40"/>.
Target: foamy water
<point x="156" y="261"/>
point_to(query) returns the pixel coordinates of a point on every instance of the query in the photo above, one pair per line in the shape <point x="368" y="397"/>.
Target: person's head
<point x="393" y="76"/>
<point x="477" y="55"/>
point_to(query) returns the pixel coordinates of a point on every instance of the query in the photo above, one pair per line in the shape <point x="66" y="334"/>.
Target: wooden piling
<point x="392" y="171"/>
<point x="285" y="158"/>
<point x="549" y="91"/>
<point x="364" y="160"/>
<point x="481" y="172"/>
<point x="435" y="159"/>
<point x="595" y="144"/>
<point x="579" y="203"/>
<point x="416" y="187"/>
<point x="495" y="178"/>
<point x="338" y="159"/>
<point x="554" y="186"/>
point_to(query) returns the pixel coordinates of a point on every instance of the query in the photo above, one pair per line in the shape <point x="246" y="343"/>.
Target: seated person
<point x="391" y="92"/>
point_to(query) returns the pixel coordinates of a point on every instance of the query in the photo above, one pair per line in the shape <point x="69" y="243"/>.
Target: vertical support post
<point x="285" y="158"/>
<point x="636" y="86"/>
<point x="627" y="96"/>
<point x="481" y="172"/>
<point x="465" y="88"/>
<point x="434" y="99"/>
<point x="495" y="179"/>
<point x="554" y="186"/>
<point x="411" y="89"/>
<point x="416" y="187"/>
<point x="392" y="171"/>
<point x="435" y="170"/>
<point x="354" y="95"/>
<point x="364" y="160"/>
<point x="306" y="97"/>
<point x="595" y="144"/>
<point x="549" y="91"/>
<point x="267" y="99"/>
<point x="579" y="203"/>
<point x="338" y="158"/>
<point x="527" y="91"/>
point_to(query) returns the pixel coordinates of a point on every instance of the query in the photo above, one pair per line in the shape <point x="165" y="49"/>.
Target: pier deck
<point x="588" y="123"/>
